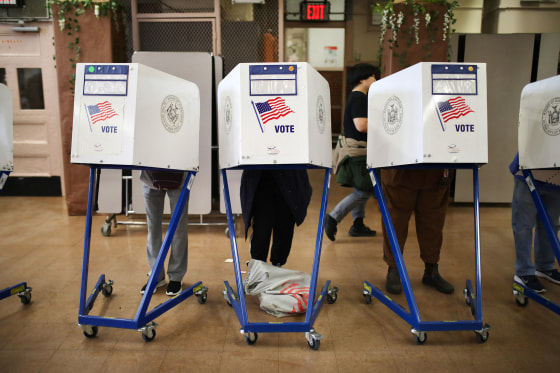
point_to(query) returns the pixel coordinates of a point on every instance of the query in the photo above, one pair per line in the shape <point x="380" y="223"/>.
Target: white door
<point x="27" y="67"/>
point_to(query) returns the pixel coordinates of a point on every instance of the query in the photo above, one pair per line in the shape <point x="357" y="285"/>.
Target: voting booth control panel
<point x="429" y="113"/>
<point x="539" y="124"/>
<point x="274" y="113"/>
<point x="134" y="115"/>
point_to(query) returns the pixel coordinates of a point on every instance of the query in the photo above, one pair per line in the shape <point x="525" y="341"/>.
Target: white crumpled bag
<point x="282" y="292"/>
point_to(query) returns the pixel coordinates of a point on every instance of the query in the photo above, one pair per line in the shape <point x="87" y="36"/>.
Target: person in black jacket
<point x="273" y="202"/>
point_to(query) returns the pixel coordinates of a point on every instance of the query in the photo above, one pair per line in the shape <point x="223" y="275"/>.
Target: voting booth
<point x="7" y="166"/>
<point x="274" y="114"/>
<point x="271" y="116"/>
<point x="539" y="124"/>
<point x="430" y="115"/>
<point x="6" y="135"/>
<point x="135" y="117"/>
<point x="539" y="148"/>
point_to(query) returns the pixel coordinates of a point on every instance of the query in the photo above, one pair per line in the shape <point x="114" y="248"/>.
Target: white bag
<point x="282" y="292"/>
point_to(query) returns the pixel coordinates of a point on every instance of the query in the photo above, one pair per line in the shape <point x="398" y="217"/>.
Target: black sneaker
<point x="174" y="288"/>
<point x="361" y="230"/>
<point x="158" y="285"/>
<point x="552" y="275"/>
<point x="530" y="281"/>
<point x="393" y="284"/>
<point x="330" y="227"/>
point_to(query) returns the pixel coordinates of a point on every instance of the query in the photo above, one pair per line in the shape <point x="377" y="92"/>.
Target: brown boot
<point x="393" y="284"/>
<point x="433" y="278"/>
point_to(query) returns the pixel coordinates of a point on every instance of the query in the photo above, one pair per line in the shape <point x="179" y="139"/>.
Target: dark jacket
<point x="294" y="187"/>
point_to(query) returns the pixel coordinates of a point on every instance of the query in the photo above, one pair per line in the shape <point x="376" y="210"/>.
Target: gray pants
<point x="178" y="257"/>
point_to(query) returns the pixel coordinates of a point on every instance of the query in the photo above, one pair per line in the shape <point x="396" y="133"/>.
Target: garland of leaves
<point x="392" y="21"/>
<point x="67" y="16"/>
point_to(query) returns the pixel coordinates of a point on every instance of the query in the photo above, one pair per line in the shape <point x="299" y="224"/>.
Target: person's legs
<point x="523" y="218"/>
<point x="153" y="201"/>
<point x="178" y="257"/>
<point x="262" y="224"/>
<point x="429" y="216"/>
<point x="400" y="203"/>
<point x="354" y="202"/>
<point x="283" y="232"/>
<point x="430" y="212"/>
<point x="545" y="256"/>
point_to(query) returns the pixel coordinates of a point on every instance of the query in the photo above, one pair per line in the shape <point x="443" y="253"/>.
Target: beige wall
<point x="513" y="16"/>
<point x="472" y="17"/>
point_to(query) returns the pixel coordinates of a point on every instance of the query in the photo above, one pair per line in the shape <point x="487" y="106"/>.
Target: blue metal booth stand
<point x="143" y="321"/>
<point x="328" y="292"/>
<point x="473" y="296"/>
<point x="132" y="116"/>
<point x="22" y="290"/>
<point x="6" y="166"/>
<point x="521" y="292"/>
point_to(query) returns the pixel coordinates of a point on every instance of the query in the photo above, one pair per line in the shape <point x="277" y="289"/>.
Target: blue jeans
<point x="524" y="217"/>
<point x="154" y="201"/>
<point x="355" y="202"/>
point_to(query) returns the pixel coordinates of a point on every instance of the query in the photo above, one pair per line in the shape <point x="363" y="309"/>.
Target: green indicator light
<point x="91" y="69"/>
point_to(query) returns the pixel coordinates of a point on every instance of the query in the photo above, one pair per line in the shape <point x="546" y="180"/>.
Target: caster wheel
<point x="367" y="298"/>
<point x="25" y="298"/>
<point x="93" y="333"/>
<point x="421" y="338"/>
<point x="331" y="298"/>
<point x="467" y="298"/>
<point x="522" y="301"/>
<point x="106" y="229"/>
<point x="314" y="344"/>
<point x="107" y="290"/>
<point x="202" y="298"/>
<point x="149" y="335"/>
<point x="482" y="337"/>
<point x="251" y="338"/>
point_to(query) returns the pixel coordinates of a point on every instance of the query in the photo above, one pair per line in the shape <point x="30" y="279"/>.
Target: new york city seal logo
<point x="551" y="117"/>
<point x="320" y="114"/>
<point x="172" y="113"/>
<point x="392" y="115"/>
<point x="228" y="115"/>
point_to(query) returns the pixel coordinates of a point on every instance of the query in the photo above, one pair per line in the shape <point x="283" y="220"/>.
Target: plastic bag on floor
<point x="282" y="292"/>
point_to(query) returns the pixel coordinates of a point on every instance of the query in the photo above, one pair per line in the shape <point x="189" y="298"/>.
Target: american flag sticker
<point x="272" y="109"/>
<point x="100" y="112"/>
<point x="452" y="109"/>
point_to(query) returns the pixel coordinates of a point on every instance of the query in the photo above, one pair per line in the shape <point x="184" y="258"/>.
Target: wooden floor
<point x="41" y="244"/>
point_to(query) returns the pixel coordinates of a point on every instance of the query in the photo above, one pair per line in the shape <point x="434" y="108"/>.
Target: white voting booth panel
<point x="6" y="130"/>
<point x="539" y="124"/>
<point x="430" y="112"/>
<point x="274" y="113"/>
<point x="134" y="115"/>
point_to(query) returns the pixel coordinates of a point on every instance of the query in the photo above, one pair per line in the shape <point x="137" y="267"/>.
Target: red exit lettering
<point x="316" y="12"/>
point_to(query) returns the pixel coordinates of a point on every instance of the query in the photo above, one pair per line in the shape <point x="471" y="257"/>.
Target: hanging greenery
<point x="68" y="14"/>
<point x="422" y="17"/>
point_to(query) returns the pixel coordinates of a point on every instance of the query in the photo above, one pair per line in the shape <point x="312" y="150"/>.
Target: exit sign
<point x="314" y="10"/>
